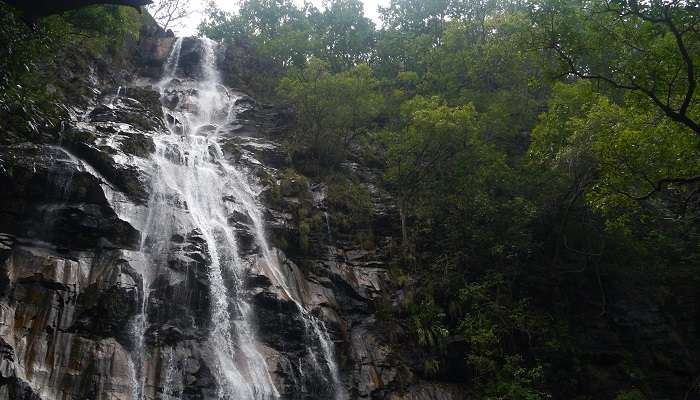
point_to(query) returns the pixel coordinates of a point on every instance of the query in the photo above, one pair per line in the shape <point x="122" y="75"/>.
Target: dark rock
<point x="148" y="99"/>
<point x="191" y="54"/>
<point x="55" y="202"/>
<point x="107" y="312"/>
<point x="139" y="145"/>
<point x="12" y="388"/>
<point x="205" y="130"/>
<point x="153" y="50"/>
<point x="240" y="217"/>
<point x="126" y="178"/>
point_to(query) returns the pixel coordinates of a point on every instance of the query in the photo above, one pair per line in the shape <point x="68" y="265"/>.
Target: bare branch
<point x="662" y="183"/>
<point x="169" y="13"/>
<point x="630" y="82"/>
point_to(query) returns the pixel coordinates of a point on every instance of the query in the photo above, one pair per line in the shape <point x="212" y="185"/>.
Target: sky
<point x="189" y="27"/>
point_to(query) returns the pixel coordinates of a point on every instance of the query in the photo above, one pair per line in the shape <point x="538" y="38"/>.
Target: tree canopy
<point x="540" y="152"/>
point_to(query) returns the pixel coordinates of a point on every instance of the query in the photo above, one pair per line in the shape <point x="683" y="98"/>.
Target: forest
<point x="543" y="157"/>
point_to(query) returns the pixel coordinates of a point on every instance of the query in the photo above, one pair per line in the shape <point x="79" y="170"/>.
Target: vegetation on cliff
<point x="36" y="63"/>
<point x="544" y="157"/>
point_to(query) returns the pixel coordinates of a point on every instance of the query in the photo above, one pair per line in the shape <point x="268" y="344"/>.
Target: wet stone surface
<point x="141" y="255"/>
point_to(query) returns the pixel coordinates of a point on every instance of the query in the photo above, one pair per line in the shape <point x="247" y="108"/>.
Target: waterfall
<point x="190" y="180"/>
<point x="315" y="327"/>
<point x="328" y="226"/>
<point x="172" y="386"/>
<point x="116" y="95"/>
<point x="173" y="60"/>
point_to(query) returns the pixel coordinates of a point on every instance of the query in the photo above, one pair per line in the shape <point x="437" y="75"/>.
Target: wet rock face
<point x="190" y="58"/>
<point x="49" y="197"/>
<point x="153" y="50"/>
<point x="337" y="280"/>
<point x="91" y="307"/>
<point x="65" y="328"/>
<point x="178" y="304"/>
<point x="69" y="271"/>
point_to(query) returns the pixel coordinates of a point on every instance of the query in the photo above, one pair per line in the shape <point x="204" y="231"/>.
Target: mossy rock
<point x="294" y="185"/>
<point x="79" y="136"/>
<point x="139" y="145"/>
<point x="232" y="149"/>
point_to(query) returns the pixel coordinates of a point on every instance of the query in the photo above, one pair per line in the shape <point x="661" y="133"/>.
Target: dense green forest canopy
<point x="545" y="157"/>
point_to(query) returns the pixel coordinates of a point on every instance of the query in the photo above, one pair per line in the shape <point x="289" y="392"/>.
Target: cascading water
<point x="190" y="180"/>
<point x="328" y="226"/>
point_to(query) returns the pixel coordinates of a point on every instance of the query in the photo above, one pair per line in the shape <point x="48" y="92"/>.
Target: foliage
<point x="350" y="205"/>
<point x="617" y="154"/>
<point x="25" y="106"/>
<point x="331" y="109"/>
<point x="102" y="22"/>
<point x="638" y="35"/>
<point x="539" y="153"/>
<point x="341" y="34"/>
<point x="30" y="91"/>
<point x="283" y="36"/>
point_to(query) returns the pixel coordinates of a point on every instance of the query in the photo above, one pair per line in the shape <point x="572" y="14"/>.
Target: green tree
<point x="277" y="28"/>
<point x="332" y="110"/>
<point x="342" y="35"/>
<point x="416" y="16"/>
<point x="434" y="135"/>
<point x="30" y="91"/>
<point x="618" y="158"/>
<point x="490" y="64"/>
<point x="652" y="48"/>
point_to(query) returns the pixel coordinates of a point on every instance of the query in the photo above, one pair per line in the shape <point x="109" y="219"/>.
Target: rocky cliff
<point x="107" y="288"/>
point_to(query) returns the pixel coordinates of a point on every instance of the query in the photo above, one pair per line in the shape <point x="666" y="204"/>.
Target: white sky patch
<point x="189" y="26"/>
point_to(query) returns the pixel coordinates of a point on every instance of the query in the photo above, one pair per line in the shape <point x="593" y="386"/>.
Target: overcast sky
<point x="189" y="27"/>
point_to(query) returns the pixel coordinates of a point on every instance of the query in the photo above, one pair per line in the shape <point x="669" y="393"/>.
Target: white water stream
<point x="191" y="178"/>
